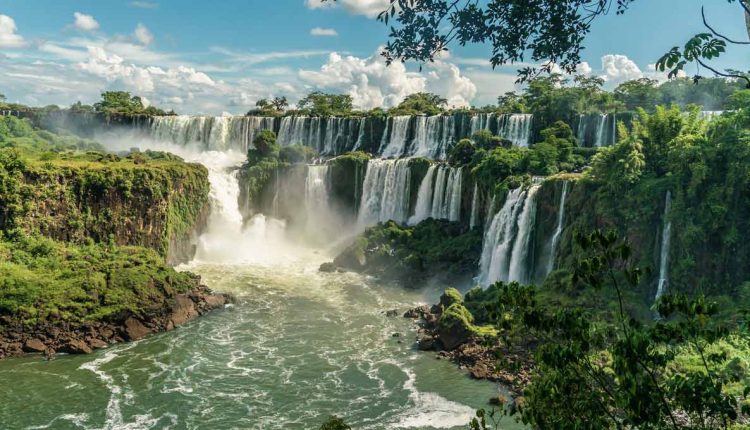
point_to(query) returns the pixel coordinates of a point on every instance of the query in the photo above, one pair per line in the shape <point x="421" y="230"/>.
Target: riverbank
<point x="53" y="337"/>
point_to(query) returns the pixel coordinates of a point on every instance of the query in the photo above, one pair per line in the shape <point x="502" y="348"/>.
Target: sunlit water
<point x="296" y="347"/>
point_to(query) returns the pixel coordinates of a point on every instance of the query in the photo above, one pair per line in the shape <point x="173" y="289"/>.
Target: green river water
<point x="297" y="347"/>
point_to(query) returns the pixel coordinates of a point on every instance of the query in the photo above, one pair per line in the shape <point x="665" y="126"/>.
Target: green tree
<point x="420" y="103"/>
<point x="484" y="139"/>
<point x="2" y="97"/>
<point x="462" y="153"/>
<point x="638" y="93"/>
<point x="551" y="32"/>
<point x="322" y="104"/>
<point x="511" y="102"/>
<point x="264" y="146"/>
<point x="619" y="166"/>
<point x="263" y="104"/>
<point x="279" y="103"/>
<point x="609" y="371"/>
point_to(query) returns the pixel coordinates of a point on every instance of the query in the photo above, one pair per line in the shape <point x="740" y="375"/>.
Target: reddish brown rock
<point x="135" y="329"/>
<point x="98" y="344"/>
<point x="77" y="346"/>
<point x="34" y="345"/>
<point x="183" y="310"/>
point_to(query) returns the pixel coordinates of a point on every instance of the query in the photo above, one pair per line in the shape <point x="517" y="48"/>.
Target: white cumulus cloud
<point x="372" y="84"/>
<point x="85" y="22"/>
<point x="619" y="68"/>
<point x="319" y="31"/>
<point x="369" y="8"/>
<point x="8" y="36"/>
<point x="143" y="35"/>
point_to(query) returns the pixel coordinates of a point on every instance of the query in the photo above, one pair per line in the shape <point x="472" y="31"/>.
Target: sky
<point x="199" y="57"/>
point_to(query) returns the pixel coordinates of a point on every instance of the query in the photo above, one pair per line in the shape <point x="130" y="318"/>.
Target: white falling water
<point x="438" y="195"/>
<point x="710" y="114"/>
<point x="558" y="230"/>
<point x="454" y="188"/>
<point x="474" y="220"/>
<point x="508" y="239"/>
<point x="385" y="192"/>
<point x="600" y="130"/>
<point x="433" y="136"/>
<point x="516" y="128"/>
<point x="219" y="133"/>
<point x="225" y="239"/>
<point x="316" y="189"/>
<point x="423" y="209"/>
<point x="394" y="139"/>
<point x="664" y="254"/>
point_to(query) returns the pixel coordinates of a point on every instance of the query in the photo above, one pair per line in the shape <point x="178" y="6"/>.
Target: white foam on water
<point x="431" y="409"/>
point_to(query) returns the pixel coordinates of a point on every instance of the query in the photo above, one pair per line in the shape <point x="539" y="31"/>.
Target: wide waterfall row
<point x="597" y="130"/>
<point x="391" y="137"/>
<point x="507" y="240"/>
<point x="218" y="133"/>
<point x="329" y="136"/>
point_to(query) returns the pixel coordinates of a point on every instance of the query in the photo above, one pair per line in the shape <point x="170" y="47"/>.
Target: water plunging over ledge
<point x="298" y="346"/>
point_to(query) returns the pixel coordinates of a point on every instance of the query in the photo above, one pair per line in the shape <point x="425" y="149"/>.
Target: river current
<point x="296" y="347"/>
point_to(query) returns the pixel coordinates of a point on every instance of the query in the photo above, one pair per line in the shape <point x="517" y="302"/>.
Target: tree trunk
<point x="747" y="18"/>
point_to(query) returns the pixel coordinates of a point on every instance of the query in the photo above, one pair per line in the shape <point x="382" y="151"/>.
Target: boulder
<point x="455" y="327"/>
<point x="34" y="345"/>
<point x="327" y="267"/>
<point x="392" y="313"/>
<point x="135" y="329"/>
<point x="77" y="346"/>
<point x="215" y="301"/>
<point x="98" y="344"/>
<point x="449" y="297"/>
<point x="183" y="310"/>
<point x="426" y="343"/>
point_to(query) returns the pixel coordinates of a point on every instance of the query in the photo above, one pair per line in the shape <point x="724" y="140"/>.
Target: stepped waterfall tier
<point x="390" y="137"/>
<point x="505" y="254"/>
<point x="666" y="235"/>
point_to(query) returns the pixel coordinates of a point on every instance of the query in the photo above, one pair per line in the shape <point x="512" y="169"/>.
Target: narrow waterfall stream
<point x="558" y="229"/>
<point x="296" y="347"/>
<point x="666" y="236"/>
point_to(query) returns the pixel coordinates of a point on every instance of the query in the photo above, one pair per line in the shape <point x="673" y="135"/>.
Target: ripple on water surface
<point x="297" y="347"/>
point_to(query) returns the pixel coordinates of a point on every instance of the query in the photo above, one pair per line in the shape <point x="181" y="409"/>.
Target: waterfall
<point x="474" y="220"/>
<point x="601" y="130"/>
<point x="438" y="196"/>
<point x="664" y="254"/>
<point x="433" y="136"/>
<point x="385" y="192"/>
<point x="453" y="203"/>
<point x="316" y="189"/>
<point x="423" y="209"/>
<point x="507" y="241"/>
<point x="558" y="230"/>
<point x="219" y="133"/>
<point x="395" y="136"/>
<point x="516" y="128"/>
<point x="710" y="114"/>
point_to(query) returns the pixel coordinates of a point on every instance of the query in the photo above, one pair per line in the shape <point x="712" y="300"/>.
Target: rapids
<point x="296" y="347"/>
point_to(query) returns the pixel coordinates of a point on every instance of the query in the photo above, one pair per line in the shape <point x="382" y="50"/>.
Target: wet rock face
<point x="135" y="330"/>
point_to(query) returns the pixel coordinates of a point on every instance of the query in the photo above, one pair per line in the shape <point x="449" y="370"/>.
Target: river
<point x="296" y="347"/>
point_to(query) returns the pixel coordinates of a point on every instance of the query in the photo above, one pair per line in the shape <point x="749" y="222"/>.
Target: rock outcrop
<point x="52" y="337"/>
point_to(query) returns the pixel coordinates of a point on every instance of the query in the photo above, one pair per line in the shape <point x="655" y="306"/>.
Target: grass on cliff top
<point x="41" y="279"/>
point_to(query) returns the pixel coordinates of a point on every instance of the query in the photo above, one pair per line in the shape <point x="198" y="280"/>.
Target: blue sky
<point x="214" y="57"/>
